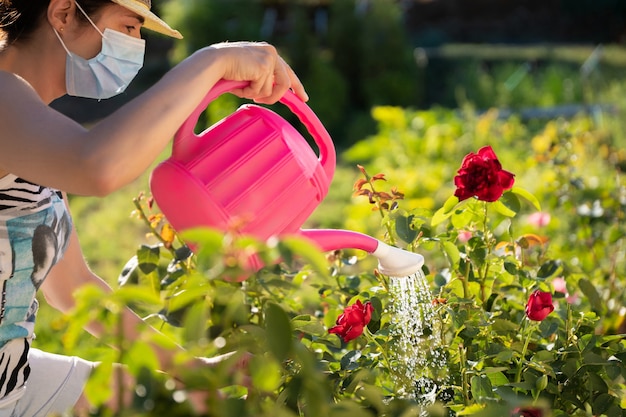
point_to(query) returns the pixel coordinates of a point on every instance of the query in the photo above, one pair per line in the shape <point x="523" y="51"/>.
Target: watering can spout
<point x="392" y="261"/>
<point x="396" y="262"/>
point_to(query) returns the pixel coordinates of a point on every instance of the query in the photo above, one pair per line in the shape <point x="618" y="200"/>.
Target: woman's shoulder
<point x="19" y="102"/>
<point x="14" y="88"/>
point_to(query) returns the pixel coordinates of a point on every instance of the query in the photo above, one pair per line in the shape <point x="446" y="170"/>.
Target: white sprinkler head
<point x="396" y="262"/>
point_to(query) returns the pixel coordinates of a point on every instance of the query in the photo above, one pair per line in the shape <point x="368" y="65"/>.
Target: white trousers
<point x="53" y="387"/>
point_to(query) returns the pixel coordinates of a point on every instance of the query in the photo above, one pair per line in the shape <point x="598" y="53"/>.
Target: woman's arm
<point x="43" y="146"/>
<point x="71" y="273"/>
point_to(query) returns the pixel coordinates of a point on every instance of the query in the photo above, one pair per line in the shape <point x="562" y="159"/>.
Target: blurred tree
<point x="350" y="54"/>
<point x="205" y="22"/>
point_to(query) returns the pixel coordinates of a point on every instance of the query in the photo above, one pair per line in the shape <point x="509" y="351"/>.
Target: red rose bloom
<point x="351" y="323"/>
<point x="482" y="176"/>
<point x="527" y="412"/>
<point x="539" y="305"/>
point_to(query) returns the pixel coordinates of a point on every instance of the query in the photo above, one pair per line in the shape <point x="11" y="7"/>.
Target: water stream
<point x="418" y="351"/>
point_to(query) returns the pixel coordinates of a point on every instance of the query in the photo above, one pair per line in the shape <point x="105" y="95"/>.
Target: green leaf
<point x="469" y="410"/>
<point x="141" y="355"/>
<point x="183" y="298"/>
<point x="543" y="356"/>
<point x="182" y="253"/>
<point x="597" y="383"/>
<point x="353" y="282"/>
<point x="497" y="378"/>
<point x="614" y="410"/>
<point x="233" y="407"/>
<point x="148" y="258"/>
<point x="615" y="233"/>
<point x="265" y="373"/>
<point x="511" y="268"/>
<point x="481" y="387"/>
<point x="602" y="403"/>
<point x="586" y="343"/>
<point x="549" y="269"/>
<point x="445" y="211"/>
<point x="350" y="361"/>
<point x="542" y="382"/>
<point x="378" y="308"/>
<point x="404" y="228"/>
<point x="527" y="196"/>
<point x="132" y="294"/>
<point x="98" y="387"/>
<point x="461" y="218"/>
<point x="592" y="294"/>
<point x="502" y="209"/>
<point x="504" y="356"/>
<point x="511" y="201"/>
<point x="130" y="273"/>
<point x="452" y="253"/>
<point x="195" y="323"/>
<point x="313" y="328"/>
<point x="278" y="328"/>
<point x="502" y="326"/>
<point x="308" y="251"/>
<point x="208" y="243"/>
<point x="347" y="408"/>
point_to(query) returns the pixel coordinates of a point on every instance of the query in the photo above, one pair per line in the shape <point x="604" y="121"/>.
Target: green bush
<point x="496" y="360"/>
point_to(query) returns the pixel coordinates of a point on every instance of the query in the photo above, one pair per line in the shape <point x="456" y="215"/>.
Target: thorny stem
<point x="485" y="217"/>
<point x="464" y="382"/>
<point x="369" y="336"/>
<point x="392" y="240"/>
<point x="382" y="280"/>
<point x="465" y="280"/>
<point x="379" y="204"/>
<point x="520" y="363"/>
<point x="483" y="276"/>
<point x="569" y="325"/>
<point x="154" y="231"/>
<point x="120" y="357"/>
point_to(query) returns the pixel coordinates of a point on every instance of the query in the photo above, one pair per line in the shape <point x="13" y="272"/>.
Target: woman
<point x="88" y="48"/>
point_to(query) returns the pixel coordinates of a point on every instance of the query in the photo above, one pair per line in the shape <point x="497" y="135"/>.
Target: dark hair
<point x="20" y="18"/>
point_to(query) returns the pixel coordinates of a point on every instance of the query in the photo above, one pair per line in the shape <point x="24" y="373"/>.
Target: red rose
<point x="482" y="176"/>
<point x="539" y="305"/>
<point x="350" y="324"/>
<point x="527" y="412"/>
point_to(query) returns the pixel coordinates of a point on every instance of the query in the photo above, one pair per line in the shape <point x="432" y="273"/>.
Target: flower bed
<point x="518" y="310"/>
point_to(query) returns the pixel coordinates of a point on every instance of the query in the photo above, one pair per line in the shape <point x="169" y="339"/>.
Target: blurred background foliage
<point x="356" y="54"/>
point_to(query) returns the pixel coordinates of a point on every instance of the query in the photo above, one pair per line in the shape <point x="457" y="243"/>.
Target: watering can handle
<point x="317" y="130"/>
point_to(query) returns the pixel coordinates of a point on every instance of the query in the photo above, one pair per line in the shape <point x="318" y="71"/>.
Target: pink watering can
<point x="255" y="167"/>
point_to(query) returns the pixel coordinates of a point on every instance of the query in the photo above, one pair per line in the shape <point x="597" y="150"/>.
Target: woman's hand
<point x="259" y="63"/>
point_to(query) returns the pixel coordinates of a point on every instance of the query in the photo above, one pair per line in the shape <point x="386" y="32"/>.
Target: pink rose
<point x="559" y="285"/>
<point x="464" y="236"/>
<point x="539" y="219"/>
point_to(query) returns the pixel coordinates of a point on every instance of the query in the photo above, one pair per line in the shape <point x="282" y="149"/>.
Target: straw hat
<point x="152" y="21"/>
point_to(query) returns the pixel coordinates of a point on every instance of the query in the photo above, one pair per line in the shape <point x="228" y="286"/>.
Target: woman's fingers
<point x="269" y="75"/>
<point x="296" y="85"/>
<point x="274" y="87"/>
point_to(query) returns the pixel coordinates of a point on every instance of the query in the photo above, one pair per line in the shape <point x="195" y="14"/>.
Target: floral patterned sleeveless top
<point x="34" y="232"/>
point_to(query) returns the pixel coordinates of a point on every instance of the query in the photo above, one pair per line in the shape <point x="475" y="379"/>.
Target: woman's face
<point x="114" y="17"/>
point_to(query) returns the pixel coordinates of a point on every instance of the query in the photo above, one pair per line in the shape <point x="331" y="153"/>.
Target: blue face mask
<point x="108" y="73"/>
